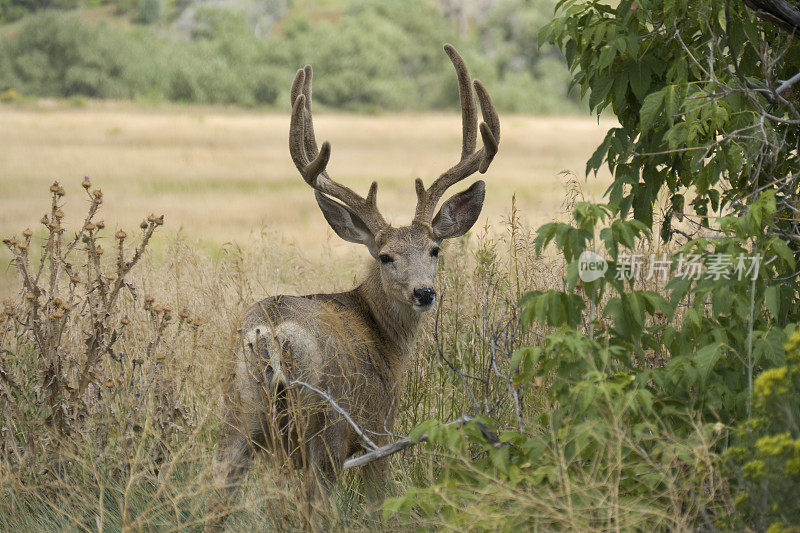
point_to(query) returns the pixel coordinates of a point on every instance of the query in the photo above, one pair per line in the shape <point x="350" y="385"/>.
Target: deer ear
<point x="459" y="212"/>
<point x="344" y="222"/>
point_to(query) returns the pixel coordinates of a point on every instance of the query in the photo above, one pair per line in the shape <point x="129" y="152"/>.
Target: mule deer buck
<point x="352" y="347"/>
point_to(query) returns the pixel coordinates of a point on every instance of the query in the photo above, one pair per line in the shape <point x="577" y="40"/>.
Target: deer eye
<point x="386" y="258"/>
<point x="435" y="252"/>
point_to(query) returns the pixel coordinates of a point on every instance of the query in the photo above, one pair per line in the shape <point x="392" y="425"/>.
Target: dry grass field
<point x="220" y="175"/>
<point x="131" y="450"/>
<point x="240" y="224"/>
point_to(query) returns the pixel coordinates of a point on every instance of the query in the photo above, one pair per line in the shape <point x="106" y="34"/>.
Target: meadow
<point x="133" y="452"/>
<point x="224" y="175"/>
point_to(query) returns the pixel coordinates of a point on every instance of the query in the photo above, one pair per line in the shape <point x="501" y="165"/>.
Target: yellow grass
<point x="219" y="175"/>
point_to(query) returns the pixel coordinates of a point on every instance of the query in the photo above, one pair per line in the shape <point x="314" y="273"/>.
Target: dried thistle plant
<point x="67" y="290"/>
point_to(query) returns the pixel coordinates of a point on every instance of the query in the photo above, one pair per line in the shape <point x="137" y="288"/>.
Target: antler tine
<point x="468" y="112"/>
<point x="471" y="161"/>
<point x="303" y="147"/>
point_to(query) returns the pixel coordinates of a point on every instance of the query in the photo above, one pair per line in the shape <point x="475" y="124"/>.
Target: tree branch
<point x="788" y="83"/>
<point x="396" y="446"/>
<point x="780" y="12"/>
<point x="327" y="397"/>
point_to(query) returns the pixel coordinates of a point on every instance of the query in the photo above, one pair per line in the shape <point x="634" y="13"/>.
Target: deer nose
<point x="424" y="296"/>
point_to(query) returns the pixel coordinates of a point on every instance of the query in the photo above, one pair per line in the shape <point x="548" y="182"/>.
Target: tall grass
<point x="135" y="449"/>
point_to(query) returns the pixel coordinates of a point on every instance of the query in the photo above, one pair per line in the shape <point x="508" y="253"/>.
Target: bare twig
<point x="368" y="444"/>
<point x="396" y="446"/>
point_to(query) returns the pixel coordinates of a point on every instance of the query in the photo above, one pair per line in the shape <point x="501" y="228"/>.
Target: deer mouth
<point x="421" y="308"/>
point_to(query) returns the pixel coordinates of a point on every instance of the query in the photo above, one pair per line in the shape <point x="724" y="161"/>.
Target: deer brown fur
<point x="353" y="346"/>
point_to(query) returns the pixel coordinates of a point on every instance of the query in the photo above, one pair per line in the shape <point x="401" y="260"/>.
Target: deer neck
<point x="398" y="323"/>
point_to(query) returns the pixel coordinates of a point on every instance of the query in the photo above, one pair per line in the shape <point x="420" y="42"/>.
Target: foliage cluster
<point x="682" y="399"/>
<point x="642" y="385"/>
<point x="766" y="460"/>
<point x="704" y="118"/>
<point x="374" y="56"/>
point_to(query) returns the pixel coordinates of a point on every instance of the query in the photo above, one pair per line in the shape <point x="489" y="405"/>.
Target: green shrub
<point x="59" y="55"/>
<point x="149" y="11"/>
<point x="766" y="461"/>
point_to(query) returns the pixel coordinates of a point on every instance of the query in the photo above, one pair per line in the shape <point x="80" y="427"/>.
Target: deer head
<point x="406" y="257"/>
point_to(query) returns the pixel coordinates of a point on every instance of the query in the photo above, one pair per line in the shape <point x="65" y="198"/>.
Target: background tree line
<point x="374" y="55"/>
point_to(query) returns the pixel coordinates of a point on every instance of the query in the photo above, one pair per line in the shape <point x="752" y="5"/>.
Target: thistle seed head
<point x="57" y="189"/>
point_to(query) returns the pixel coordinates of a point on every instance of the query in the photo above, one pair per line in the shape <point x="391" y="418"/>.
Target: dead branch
<point x="396" y="446"/>
<point x="367" y="442"/>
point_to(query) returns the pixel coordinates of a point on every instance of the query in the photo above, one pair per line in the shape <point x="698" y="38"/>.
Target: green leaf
<point x="639" y="76"/>
<point x="650" y="108"/>
<point x="418" y="432"/>
<point x="706" y="359"/>
<point x="772" y="298"/>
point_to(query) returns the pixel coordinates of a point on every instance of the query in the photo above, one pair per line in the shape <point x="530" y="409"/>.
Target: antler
<point x="471" y="161"/>
<point x="311" y="162"/>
